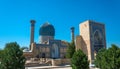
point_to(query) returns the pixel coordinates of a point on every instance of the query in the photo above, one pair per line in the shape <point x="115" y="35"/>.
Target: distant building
<point x="91" y="39"/>
<point x="48" y="47"/>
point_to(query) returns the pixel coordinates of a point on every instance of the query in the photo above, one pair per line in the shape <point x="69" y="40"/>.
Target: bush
<point x="79" y="60"/>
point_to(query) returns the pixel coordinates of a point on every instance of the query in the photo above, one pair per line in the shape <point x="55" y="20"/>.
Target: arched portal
<point x="55" y="52"/>
<point x="97" y="38"/>
<point x="98" y="41"/>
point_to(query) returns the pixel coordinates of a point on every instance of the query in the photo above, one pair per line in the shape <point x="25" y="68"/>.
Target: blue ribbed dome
<point x="47" y="30"/>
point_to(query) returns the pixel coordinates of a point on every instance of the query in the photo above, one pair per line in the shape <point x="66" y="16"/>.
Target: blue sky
<point x="15" y="16"/>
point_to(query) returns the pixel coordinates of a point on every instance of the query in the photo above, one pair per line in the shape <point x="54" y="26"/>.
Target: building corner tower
<point x="72" y="33"/>
<point x="32" y="31"/>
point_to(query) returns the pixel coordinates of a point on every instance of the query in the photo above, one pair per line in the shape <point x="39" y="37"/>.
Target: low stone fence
<point x="52" y="62"/>
<point x="57" y="62"/>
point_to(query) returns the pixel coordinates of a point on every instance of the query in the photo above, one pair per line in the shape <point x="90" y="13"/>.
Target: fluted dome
<point x="47" y="30"/>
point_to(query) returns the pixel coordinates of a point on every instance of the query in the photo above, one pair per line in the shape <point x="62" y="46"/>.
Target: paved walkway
<point x="53" y="67"/>
<point x="50" y="67"/>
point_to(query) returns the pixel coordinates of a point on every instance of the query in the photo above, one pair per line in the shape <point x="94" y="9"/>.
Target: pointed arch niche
<point x="98" y="41"/>
<point x="55" y="52"/>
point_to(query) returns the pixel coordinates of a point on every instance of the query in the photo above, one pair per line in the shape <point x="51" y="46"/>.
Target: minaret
<point x="32" y="31"/>
<point x="72" y="33"/>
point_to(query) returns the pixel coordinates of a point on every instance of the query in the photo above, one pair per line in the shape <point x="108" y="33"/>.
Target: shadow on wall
<point x="80" y="44"/>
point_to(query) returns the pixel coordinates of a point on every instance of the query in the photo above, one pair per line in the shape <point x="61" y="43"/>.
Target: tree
<point x="99" y="57"/>
<point x="71" y="49"/>
<point x="12" y="57"/>
<point x="79" y="60"/>
<point x="108" y="58"/>
<point x="1" y="51"/>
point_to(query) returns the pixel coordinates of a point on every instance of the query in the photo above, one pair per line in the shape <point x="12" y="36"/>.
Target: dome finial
<point x="47" y="22"/>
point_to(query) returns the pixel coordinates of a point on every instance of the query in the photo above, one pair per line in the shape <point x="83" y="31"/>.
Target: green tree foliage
<point x="79" y="60"/>
<point x="12" y="57"/>
<point x="71" y="49"/>
<point x="1" y="53"/>
<point x="108" y="58"/>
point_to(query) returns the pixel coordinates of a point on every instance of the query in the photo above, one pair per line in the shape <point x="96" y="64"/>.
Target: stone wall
<point x="85" y="33"/>
<point x="57" y="62"/>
